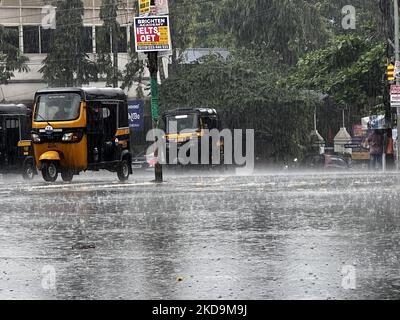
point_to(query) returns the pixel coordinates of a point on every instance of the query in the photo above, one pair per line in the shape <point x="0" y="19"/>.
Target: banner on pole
<point x="136" y="115"/>
<point x="395" y="96"/>
<point x="162" y="7"/>
<point x="152" y="34"/>
<point x="374" y="122"/>
<point x="144" y="7"/>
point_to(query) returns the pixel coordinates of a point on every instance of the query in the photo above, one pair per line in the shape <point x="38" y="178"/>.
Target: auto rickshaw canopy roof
<point x="201" y="111"/>
<point x="88" y="93"/>
<point x="14" y="109"/>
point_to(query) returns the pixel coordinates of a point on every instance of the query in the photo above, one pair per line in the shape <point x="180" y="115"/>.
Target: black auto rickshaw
<point x="184" y="126"/>
<point x="79" y="129"/>
<point x="16" y="154"/>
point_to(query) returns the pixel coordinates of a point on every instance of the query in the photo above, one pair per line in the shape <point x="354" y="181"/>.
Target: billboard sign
<point x="144" y="7"/>
<point x="395" y="96"/>
<point x="374" y="122"/>
<point x="136" y="115"/>
<point x="152" y="33"/>
<point x="162" y="7"/>
<point x="358" y="130"/>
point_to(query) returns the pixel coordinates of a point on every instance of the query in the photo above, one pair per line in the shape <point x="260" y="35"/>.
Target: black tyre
<point x="29" y="171"/>
<point x="123" y="170"/>
<point x="49" y="171"/>
<point x="67" y="175"/>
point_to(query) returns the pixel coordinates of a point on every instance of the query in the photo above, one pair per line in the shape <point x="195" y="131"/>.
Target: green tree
<point x="246" y="89"/>
<point x="134" y="68"/>
<point x="67" y="64"/>
<point x="289" y="27"/>
<point x="133" y="72"/>
<point x="350" y="69"/>
<point x="368" y="15"/>
<point x="111" y="30"/>
<point x="11" y="59"/>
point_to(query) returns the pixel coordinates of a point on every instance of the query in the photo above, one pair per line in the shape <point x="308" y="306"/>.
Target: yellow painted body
<point x="50" y="155"/>
<point x="70" y="155"/>
<point x="122" y="132"/>
<point x="24" y="143"/>
<point x="180" y="137"/>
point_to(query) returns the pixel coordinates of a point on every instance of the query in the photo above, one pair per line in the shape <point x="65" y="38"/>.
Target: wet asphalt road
<point x="270" y="236"/>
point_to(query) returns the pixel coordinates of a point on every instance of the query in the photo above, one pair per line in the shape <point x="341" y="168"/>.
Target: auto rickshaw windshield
<point x="187" y="122"/>
<point x="58" y="107"/>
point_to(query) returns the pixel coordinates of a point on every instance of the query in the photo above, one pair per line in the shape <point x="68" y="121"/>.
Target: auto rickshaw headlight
<point x="35" y="138"/>
<point x="70" y="137"/>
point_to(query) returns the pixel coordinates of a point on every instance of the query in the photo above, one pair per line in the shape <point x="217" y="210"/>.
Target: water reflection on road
<point x="270" y="236"/>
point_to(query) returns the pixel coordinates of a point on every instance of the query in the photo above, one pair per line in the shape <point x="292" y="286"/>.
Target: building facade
<point x="26" y="17"/>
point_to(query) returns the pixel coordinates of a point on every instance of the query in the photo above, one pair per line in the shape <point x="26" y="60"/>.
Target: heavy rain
<point x="269" y="236"/>
<point x="201" y="150"/>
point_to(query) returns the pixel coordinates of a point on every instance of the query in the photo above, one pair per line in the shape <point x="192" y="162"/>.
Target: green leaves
<point x="67" y="64"/>
<point x="289" y="27"/>
<point x="11" y="59"/>
<point x="247" y="88"/>
<point x="349" y="69"/>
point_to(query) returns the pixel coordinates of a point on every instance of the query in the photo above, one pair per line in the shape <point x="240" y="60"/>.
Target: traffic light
<point x="390" y="72"/>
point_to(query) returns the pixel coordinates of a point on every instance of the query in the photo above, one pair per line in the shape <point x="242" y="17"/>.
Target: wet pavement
<point x="270" y="236"/>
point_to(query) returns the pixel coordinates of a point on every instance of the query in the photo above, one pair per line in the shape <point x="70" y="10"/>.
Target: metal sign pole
<point x="397" y="57"/>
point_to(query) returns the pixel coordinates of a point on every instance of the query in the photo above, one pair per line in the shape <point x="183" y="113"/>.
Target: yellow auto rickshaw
<point x="16" y="154"/>
<point x="79" y="129"/>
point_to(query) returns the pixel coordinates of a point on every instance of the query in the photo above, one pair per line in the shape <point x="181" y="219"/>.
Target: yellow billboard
<point x="144" y="7"/>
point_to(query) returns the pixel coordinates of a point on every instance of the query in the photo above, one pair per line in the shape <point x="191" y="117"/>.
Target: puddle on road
<point x="257" y="237"/>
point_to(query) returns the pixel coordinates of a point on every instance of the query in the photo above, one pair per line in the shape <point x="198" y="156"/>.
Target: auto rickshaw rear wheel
<point x="123" y="170"/>
<point x="49" y="171"/>
<point x="29" y="171"/>
<point x="67" y="175"/>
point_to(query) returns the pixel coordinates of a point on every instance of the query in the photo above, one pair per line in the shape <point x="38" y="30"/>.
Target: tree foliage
<point x="349" y="69"/>
<point x="246" y="88"/>
<point x="284" y="55"/>
<point x="11" y="59"/>
<point x="67" y="64"/>
<point x="289" y="27"/>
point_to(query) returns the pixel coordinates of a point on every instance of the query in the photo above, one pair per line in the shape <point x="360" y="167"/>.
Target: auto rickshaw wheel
<point x="29" y="171"/>
<point x="67" y="175"/>
<point x="123" y="170"/>
<point x="49" y="171"/>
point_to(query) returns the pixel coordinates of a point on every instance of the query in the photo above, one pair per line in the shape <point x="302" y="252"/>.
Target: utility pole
<point x="115" y="45"/>
<point x="152" y="34"/>
<point x="397" y="58"/>
<point x="153" y="69"/>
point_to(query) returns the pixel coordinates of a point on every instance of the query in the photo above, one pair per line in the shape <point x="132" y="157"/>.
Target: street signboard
<point x="136" y="115"/>
<point x="162" y="7"/>
<point x="374" y="122"/>
<point x="144" y="7"/>
<point x="361" y="155"/>
<point x="152" y="33"/>
<point x="358" y="130"/>
<point x="395" y="96"/>
<point x="353" y="146"/>
<point x="397" y="69"/>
